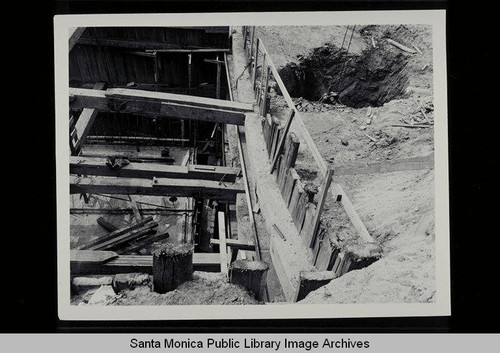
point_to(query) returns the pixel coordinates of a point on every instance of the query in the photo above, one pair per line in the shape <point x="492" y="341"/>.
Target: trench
<point x="372" y="78"/>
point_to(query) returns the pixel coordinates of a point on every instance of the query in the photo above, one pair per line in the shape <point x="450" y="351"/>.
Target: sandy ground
<point x="204" y="289"/>
<point x="397" y="208"/>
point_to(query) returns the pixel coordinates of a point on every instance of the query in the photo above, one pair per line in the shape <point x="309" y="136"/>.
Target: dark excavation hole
<point x="371" y="79"/>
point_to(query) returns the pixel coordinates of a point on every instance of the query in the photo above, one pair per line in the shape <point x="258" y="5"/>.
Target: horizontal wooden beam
<point x="157" y="187"/>
<point x="145" y="45"/>
<point x="213" y="61"/>
<point x="237" y="244"/>
<point x="134" y="139"/>
<point x="97" y="166"/>
<point x="192" y="50"/>
<point x="416" y="163"/>
<point x="209" y="262"/>
<point x="160" y="104"/>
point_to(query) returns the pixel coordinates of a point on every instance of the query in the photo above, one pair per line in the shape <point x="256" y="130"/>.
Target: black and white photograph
<point x="270" y="165"/>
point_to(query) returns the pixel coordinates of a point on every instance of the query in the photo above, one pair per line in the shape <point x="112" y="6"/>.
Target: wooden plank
<point x="318" y="244"/>
<point x="417" y="163"/>
<point x="236" y="244"/>
<point x="290" y="180"/>
<point x="309" y="218"/>
<point x="303" y="129"/>
<point x="283" y="170"/>
<point x="298" y="190"/>
<point x="301" y="202"/>
<point x="247" y="194"/>
<point x="281" y="142"/>
<point x="267" y="131"/>
<point x="344" y="264"/>
<point x="255" y="63"/>
<point x="136" y="233"/>
<point x="116" y="233"/>
<point x="280" y="168"/>
<point x="142" y="243"/>
<point x="264" y="106"/>
<point x="156" y="187"/>
<point x="97" y="166"/>
<point x="321" y="203"/>
<point x="324" y="255"/>
<point x="160" y="104"/>
<point x="333" y="258"/>
<point x="209" y="262"/>
<point x="337" y="190"/>
<point x="133" y="139"/>
<point x="89" y="256"/>
<point x="222" y="243"/>
<point x="274" y="143"/>
<point x="401" y="46"/>
<point x="202" y="102"/>
<point x="185" y="111"/>
<point x="147" y="45"/>
<point x="293" y="150"/>
<point x="338" y="261"/>
<point x="74" y="35"/>
<point x="251" y="43"/>
<point x="217" y="85"/>
<point x="300" y="211"/>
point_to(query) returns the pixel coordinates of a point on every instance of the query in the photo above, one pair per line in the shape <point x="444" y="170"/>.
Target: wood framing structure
<point x="141" y="127"/>
<point x="305" y="205"/>
<point x="156" y="187"/>
<point x="159" y="104"/>
<point x="144" y="170"/>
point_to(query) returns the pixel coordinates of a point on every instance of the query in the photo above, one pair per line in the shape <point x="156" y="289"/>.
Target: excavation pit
<point x="373" y="78"/>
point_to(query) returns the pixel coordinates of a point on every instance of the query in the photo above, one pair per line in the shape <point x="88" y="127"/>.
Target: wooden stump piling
<point x="252" y="275"/>
<point x="172" y="266"/>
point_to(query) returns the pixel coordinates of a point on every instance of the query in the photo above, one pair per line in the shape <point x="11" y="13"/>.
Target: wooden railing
<point x="282" y="146"/>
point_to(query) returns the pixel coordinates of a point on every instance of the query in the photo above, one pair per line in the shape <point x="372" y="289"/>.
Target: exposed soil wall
<point x="376" y="75"/>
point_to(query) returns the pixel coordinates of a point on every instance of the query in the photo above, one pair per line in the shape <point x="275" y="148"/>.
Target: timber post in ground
<point x="172" y="266"/>
<point x="250" y="274"/>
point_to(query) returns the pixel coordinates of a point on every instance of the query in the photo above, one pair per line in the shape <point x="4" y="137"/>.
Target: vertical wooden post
<point x="281" y="142"/>
<point x="217" y="85"/>
<point x="189" y="72"/>
<point x="258" y="88"/>
<point x="245" y="37"/>
<point x="172" y="266"/>
<point x="183" y="132"/>
<point x="251" y="44"/>
<point x="321" y="203"/>
<point x="156" y="71"/>
<point x="252" y="275"/>
<point x="255" y="63"/>
<point x="266" y="89"/>
<point x="222" y="243"/>
<point x="207" y="223"/>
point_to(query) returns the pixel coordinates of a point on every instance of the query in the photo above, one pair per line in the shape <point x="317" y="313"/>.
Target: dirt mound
<point x="205" y="288"/>
<point x="377" y="75"/>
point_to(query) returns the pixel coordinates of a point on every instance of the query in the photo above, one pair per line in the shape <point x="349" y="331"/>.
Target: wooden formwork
<point x="282" y="148"/>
